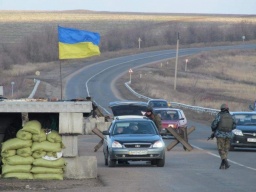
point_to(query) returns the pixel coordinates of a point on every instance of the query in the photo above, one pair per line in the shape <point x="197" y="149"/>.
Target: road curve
<point x="95" y="80"/>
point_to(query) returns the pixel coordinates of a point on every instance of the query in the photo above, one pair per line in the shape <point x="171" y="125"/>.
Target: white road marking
<point x="239" y="164"/>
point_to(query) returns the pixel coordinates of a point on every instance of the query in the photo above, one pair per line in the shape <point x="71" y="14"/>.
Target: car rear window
<point x="168" y="114"/>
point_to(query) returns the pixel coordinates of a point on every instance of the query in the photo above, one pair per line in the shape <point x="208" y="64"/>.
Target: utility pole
<point x="139" y="41"/>
<point x="176" y="63"/>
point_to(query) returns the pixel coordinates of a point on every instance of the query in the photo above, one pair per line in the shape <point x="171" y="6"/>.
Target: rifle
<point x="211" y="137"/>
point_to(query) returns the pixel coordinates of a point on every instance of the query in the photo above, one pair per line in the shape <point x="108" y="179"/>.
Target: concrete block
<point x="71" y="123"/>
<point x="71" y="146"/>
<point x="102" y="126"/>
<point x="100" y="119"/>
<point x="81" y="167"/>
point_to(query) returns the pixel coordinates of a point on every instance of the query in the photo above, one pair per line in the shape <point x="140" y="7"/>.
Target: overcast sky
<point x="154" y="6"/>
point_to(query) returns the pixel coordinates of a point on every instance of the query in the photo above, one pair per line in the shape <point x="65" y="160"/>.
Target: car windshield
<point x="168" y="114"/>
<point x="156" y="104"/>
<point x="245" y="119"/>
<point x="133" y="127"/>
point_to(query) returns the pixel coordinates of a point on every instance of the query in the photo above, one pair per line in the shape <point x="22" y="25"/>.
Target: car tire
<point x="111" y="163"/>
<point x="153" y="162"/>
<point x="160" y="162"/>
<point x="106" y="160"/>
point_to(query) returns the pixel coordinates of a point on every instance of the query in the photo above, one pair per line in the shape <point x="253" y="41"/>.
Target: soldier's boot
<point x="226" y="164"/>
<point x="222" y="165"/>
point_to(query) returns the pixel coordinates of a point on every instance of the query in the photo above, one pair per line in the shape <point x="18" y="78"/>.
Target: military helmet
<point x="149" y="109"/>
<point x="224" y="107"/>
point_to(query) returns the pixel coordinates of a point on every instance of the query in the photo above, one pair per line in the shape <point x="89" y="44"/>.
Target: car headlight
<point x="116" y="144"/>
<point x="237" y="132"/>
<point x="158" y="144"/>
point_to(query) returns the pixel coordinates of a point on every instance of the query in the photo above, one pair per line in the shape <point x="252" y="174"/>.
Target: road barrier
<point x="194" y="108"/>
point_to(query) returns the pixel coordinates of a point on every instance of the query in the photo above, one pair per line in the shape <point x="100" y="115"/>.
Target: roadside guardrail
<point x="37" y="82"/>
<point x="175" y="104"/>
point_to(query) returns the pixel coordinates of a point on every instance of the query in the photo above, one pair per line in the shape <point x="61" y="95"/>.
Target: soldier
<point x="154" y="117"/>
<point x="222" y="127"/>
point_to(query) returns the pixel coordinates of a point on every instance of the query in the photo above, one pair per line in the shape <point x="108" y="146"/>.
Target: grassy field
<point x="15" y="25"/>
<point x="212" y="78"/>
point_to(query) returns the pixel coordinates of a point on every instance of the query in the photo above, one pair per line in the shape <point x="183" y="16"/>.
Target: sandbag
<point x="32" y="126"/>
<point x="54" y="137"/>
<point x="24" y="152"/>
<point x="18" y="160"/>
<point x="16" y="169"/>
<point x="19" y="175"/>
<point x="46" y="170"/>
<point x="38" y="154"/>
<point x="39" y="137"/>
<point x="59" y="163"/>
<point x="49" y="176"/>
<point x="21" y="134"/>
<point x="15" y="143"/>
<point x="8" y="153"/>
<point x="52" y="154"/>
<point x="46" y="146"/>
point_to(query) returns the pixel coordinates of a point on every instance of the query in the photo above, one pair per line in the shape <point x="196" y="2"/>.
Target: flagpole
<point x="60" y="82"/>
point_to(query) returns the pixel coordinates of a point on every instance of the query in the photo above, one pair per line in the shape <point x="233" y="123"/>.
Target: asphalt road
<point x="193" y="171"/>
<point x="197" y="170"/>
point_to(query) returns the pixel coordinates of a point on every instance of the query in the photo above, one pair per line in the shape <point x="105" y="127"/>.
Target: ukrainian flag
<point x="76" y="44"/>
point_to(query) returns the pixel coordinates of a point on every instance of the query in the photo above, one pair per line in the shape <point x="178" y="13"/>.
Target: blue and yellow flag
<point x="76" y="44"/>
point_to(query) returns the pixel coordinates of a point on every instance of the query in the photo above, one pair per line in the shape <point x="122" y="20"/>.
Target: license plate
<point x="251" y="139"/>
<point x="137" y="152"/>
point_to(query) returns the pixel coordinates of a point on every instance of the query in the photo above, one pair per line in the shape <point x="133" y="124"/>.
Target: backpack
<point x="226" y="122"/>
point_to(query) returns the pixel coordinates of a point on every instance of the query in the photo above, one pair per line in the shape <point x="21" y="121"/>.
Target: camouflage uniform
<point x="156" y="118"/>
<point x="223" y="137"/>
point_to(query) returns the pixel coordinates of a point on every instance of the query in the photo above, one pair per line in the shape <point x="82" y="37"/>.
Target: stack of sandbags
<point x="33" y="154"/>
<point x="49" y="164"/>
<point x="16" y="156"/>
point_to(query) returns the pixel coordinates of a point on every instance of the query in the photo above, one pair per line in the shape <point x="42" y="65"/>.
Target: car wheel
<point x="160" y="162"/>
<point x="111" y="163"/>
<point x="153" y="162"/>
<point x="106" y="159"/>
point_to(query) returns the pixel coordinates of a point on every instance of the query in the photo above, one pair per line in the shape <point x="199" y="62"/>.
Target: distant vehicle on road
<point x="133" y="139"/>
<point x="120" y="108"/>
<point x="245" y="132"/>
<point x="158" y="103"/>
<point x="171" y="117"/>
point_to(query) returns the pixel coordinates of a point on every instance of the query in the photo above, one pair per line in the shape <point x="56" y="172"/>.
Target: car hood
<point x="248" y="128"/>
<point x="133" y="138"/>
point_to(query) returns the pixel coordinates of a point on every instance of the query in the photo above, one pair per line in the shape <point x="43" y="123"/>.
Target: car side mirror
<point x="105" y="132"/>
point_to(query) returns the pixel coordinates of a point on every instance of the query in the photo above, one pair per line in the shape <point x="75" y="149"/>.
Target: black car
<point x="133" y="138"/>
<point x="245" y="132"/>
<point x="158" y="103"/>
<point x="120" y="108"/>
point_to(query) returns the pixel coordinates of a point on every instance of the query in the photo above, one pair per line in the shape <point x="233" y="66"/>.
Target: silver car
<point x="133" y="139"/>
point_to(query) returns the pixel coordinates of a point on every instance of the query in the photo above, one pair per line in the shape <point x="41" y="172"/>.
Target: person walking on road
<point x="156" y="118"/>
<point x="222" y="127"/>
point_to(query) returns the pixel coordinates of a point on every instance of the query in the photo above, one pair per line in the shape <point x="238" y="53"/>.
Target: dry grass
<point x="14" y="25"/>
<point x="78" y="16"/>
<point x="220" y="78"/>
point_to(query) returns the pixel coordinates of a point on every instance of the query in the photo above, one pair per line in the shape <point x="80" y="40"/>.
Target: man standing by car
<point x="156" y="118"/>
<point x="222" y="127"/>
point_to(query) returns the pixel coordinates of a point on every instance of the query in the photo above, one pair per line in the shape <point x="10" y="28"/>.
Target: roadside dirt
<point x="48" y="185"/>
